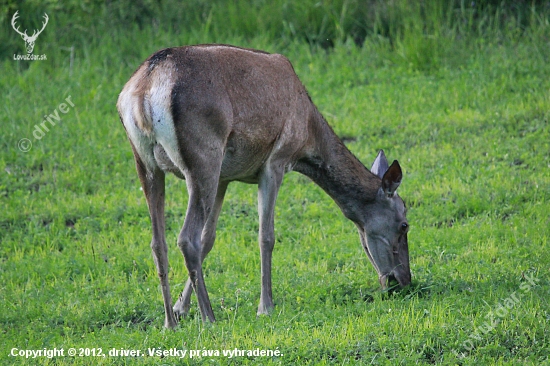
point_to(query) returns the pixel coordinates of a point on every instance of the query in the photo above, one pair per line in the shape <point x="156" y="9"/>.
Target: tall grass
<point x="421" y="34"/>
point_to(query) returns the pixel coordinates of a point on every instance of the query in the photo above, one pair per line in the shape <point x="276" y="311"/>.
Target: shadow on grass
<point x="426" y="289"/>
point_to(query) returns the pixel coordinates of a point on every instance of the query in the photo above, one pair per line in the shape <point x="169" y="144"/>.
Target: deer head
<point x="384" y="234"/>
<point x="29" y="40"/>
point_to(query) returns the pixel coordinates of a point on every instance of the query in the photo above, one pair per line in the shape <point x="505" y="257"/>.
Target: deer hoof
<point x="265" y="309"/>
<point x="170" y="322"/>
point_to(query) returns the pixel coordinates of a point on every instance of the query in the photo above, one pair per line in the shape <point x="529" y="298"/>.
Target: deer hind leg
<point x="268" y="188"/>
<point x="182" y="306"/>
<point x="202" y="177"/>
<point x="153" y="187"/>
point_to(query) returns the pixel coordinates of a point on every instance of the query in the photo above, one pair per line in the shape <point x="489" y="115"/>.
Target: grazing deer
<point x="29" y="40"/>
<point x="212" y="114"/>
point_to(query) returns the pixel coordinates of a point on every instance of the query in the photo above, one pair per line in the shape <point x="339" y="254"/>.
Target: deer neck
<point x="330" y="164"/>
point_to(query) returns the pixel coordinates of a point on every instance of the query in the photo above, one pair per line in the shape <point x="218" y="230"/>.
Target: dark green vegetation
<point x="460" y="95"/>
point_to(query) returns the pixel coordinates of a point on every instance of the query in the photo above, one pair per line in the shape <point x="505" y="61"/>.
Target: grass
<point x="470" y="128"/>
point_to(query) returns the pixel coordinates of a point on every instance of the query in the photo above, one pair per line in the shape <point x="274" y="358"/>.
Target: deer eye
<point x="404" y="227"/>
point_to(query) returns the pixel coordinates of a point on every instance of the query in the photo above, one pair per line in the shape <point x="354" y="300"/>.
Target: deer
<point x="214" y="114"/>
<point x="29" y="40"/>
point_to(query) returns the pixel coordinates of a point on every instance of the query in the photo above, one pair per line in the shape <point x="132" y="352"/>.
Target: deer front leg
<point x="181" y="308"/>
<point x="268" y="188"/>
<point x="153" y="187"/>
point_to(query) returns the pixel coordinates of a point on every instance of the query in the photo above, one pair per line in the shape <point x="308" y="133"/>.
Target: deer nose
<point x="403" y="277"/>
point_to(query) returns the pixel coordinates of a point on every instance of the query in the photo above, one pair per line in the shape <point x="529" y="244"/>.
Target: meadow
<point x="461" y="98"/>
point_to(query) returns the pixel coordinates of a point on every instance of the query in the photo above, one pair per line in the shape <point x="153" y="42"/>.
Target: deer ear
<point x="392" y="179"/>
<point x="380" y="165"/>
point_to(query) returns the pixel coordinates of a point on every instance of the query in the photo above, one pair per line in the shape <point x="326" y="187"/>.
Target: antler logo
<point x="29" y="40"/>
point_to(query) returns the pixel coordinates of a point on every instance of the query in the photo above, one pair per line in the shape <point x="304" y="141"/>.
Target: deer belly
<point x="243" y="163"/>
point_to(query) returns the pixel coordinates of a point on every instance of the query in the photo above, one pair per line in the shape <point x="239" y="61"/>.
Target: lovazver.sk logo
<point x="29" y="40"/>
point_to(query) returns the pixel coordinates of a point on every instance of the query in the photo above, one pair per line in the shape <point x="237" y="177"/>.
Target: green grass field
<point x="466" y="114"/>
